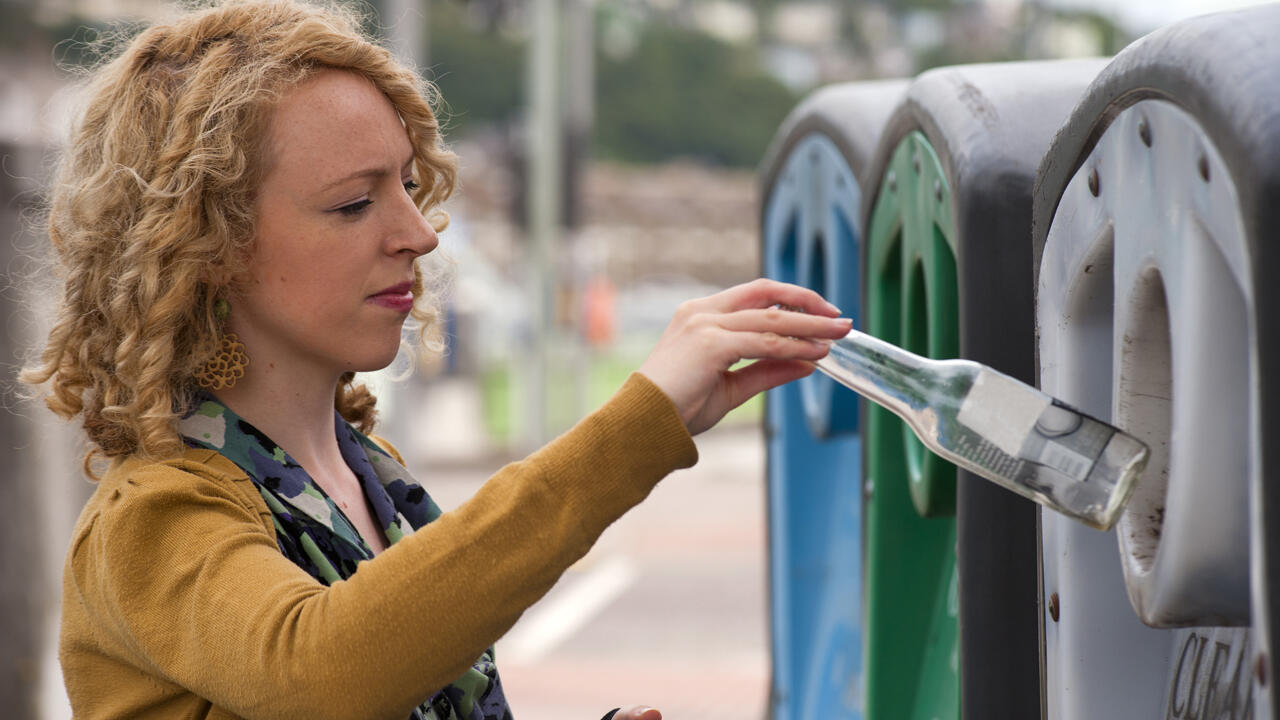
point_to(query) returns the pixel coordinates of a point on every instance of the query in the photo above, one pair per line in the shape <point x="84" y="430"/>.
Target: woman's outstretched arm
<point x="175" y="583"/>
<point x="175" y="579"/>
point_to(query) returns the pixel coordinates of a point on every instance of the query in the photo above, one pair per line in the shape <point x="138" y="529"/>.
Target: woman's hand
<point x="706" y="337"/>
<point x="635" y="712"/>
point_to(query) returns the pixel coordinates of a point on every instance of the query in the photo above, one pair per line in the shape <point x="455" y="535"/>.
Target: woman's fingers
<point x="786" y="322"/>
<point x="763" y="375"/>
<point x="779" y="334"/>
<point x="638" y="712"/>
<point x="772" y="346"/>
<point x="738" y="386"/>
<point x="691" y="361"/>
<point x="763" y="293"/>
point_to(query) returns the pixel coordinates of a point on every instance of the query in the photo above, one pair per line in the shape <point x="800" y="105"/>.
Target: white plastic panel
<point x="1145" y="316"/>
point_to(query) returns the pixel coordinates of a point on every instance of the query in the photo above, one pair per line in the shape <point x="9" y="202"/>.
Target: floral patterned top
<point x="315" y="534"/>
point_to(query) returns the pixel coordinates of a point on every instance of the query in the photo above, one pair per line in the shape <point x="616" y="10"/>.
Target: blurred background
<point x="608" y="152"/>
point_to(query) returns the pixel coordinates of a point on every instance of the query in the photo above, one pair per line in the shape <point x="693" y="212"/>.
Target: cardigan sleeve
<point x="183" y="581"/>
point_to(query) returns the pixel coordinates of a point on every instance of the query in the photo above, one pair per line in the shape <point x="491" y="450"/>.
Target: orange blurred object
<point x="598" y="311"/>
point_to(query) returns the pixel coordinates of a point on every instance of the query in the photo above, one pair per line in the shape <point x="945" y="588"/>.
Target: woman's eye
<point x="355" y="208"/>
<point x="359" y="206"/>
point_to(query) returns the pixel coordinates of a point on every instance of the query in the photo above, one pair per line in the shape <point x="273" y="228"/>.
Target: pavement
<point x="667" y="610"/>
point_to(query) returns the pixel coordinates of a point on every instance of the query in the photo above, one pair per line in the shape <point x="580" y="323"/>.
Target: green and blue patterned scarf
<point x="315" y="534"/>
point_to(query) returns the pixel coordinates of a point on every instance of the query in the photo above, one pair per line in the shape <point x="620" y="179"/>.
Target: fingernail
<point x="832" y="307"/>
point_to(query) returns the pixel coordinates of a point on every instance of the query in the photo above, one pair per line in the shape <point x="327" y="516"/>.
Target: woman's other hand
<point x="708" y="336"/>
<point x="635" y="712"/>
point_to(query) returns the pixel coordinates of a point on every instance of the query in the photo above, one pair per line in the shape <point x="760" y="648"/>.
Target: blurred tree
<point x="72" y="37"/>
<point x="1028" y="39"/>
<point x="478" y="68"/>
<point x="676" y="93"/>
<point x="15" y="23"/>
<point x="1111" y="37"/>
<point x="906" y="5"/>
<point x="681" y="93"/>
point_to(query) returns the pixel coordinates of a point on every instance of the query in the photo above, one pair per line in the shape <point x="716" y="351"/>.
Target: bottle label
<point x="1002" y="410"/>
<point x="1026" y="424"/>
<point x="1067" y="441"/>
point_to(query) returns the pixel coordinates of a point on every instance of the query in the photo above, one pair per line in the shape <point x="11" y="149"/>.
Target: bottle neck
<point x="885" y="373"/>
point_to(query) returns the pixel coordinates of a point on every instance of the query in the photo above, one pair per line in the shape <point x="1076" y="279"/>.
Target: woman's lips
<point x="397" y="297"/>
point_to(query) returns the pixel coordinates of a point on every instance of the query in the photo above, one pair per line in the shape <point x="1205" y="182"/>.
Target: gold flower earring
<point x="228" y="363"/>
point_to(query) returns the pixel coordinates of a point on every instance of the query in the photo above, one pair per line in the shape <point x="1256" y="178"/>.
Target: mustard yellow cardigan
<point x="178" y="604"/>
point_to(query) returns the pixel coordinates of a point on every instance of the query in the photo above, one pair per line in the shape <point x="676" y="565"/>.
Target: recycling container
<point x="1155" y="218"/>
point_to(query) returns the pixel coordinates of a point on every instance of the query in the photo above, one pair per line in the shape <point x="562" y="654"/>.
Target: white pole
<point x="543" y="188"/>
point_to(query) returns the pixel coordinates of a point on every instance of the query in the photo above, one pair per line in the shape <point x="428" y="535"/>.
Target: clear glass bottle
<point x="997" y="427"/>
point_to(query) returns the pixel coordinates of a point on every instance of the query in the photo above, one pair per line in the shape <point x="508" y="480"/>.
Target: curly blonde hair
<point x="151" y="212"/>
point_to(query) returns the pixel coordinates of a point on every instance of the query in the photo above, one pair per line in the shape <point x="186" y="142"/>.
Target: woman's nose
<point x="412" y="232"/>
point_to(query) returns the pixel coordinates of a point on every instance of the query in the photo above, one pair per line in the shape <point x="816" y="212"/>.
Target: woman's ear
<point x="223" y="270"/>
<point x="216" y="275"/>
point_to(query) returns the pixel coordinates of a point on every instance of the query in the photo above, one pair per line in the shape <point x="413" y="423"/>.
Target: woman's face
<point x="328" y="284"/>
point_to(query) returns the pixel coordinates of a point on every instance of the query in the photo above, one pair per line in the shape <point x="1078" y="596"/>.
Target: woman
<point x="237" y="218"/>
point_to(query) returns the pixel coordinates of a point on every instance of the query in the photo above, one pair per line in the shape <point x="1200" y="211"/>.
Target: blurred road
<point x="668" y="609"/>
